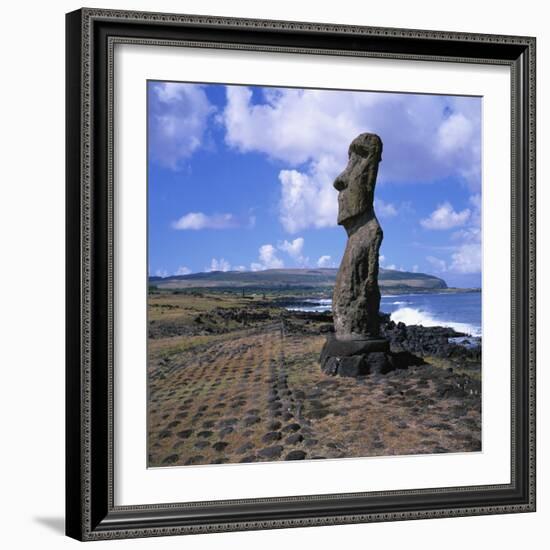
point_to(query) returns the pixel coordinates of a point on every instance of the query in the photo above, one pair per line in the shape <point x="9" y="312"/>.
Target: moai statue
<point x="356" y="347"/>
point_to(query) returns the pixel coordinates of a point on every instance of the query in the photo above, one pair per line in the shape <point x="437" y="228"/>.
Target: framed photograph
<point x="300" y="274"/>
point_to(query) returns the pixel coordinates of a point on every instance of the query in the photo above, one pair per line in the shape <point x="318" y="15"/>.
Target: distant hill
<point x="287" y="278"/>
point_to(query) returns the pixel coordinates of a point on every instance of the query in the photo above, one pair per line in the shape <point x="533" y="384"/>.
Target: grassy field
<point x="234" y="378"/>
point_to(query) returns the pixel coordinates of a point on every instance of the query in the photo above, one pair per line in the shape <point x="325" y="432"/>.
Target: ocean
<point x="460" y="311"/>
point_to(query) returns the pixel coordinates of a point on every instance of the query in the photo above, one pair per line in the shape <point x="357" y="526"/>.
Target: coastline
<point x="433" y="309"/>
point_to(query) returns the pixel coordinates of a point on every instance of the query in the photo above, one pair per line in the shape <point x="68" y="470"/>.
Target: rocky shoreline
<point x="417" y="339"/>
<point x="428" y="341"/>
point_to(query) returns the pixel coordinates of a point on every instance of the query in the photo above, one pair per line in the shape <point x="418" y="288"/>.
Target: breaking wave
<point x="412" y="316"/>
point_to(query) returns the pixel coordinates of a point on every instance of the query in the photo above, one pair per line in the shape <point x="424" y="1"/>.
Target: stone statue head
<point x="356" y="183"/>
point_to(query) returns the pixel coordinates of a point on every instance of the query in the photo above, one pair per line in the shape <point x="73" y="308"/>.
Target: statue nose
<point x="340" y="183"/>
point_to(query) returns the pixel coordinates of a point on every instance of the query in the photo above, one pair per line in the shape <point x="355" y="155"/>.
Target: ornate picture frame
<point x="91" y="509"/>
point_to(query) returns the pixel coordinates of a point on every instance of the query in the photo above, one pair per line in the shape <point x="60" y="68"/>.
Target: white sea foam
<point x="407" y="315"/>
<point x="412" y="316"/>
<point x="312" y="308"/>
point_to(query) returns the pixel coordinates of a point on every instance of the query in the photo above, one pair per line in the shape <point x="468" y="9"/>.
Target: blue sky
<point x="240" y="178"/>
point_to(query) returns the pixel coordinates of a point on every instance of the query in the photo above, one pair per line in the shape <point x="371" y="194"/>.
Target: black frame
<point x="90" y="39"/>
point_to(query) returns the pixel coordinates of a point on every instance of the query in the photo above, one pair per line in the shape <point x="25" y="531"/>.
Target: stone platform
<point x="361" y="357"/>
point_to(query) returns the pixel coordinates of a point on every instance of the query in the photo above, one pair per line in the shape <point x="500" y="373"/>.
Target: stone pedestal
<point x="357" y="357"/>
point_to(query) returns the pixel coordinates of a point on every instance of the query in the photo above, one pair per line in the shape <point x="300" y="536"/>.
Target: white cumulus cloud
<point x="178" y="120"/>
<point x="182" y="270"/>
<point x="466" y="255"/>
<point x="445" y="217"/>
<point x="293" y="248"/>
<point x="454" y="133"/>
<point x="325" y="261"/>
<point x="199" y="220"/>
<point x="426" y="138"/>
<point x="467" y="259"/>
<point x="219" y="265"/>
<point x="307" y="199"/>
<point x="268" y="256"/>
<point x="267" y="259"/>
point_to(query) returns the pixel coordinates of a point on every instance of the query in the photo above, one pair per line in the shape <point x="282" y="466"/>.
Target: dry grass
<point x="258" y="394"/>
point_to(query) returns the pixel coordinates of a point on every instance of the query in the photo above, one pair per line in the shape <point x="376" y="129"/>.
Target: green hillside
<point x="288" y="278"/>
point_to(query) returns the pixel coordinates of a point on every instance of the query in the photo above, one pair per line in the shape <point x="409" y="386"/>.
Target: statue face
<point x="356" y="183"/>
